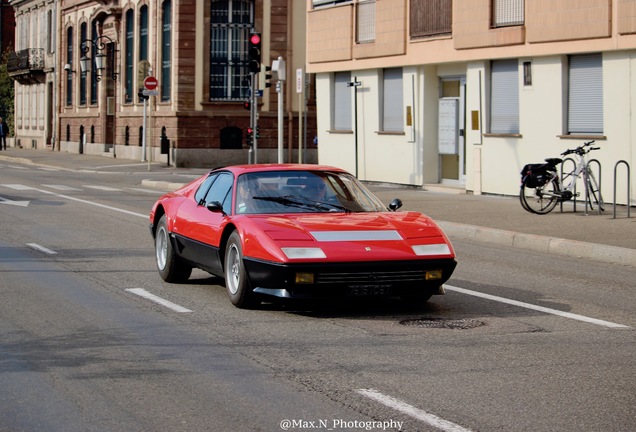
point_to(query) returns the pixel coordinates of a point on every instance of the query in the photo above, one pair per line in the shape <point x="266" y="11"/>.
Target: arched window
<point x="82" y="78"/>
<point x="231" y="22"/>
<point x="143" y="39"/>
<point x="69" y="61"/>
<point x="93" y="71"/>
<point x="130" y="37"/>
<point x="166" y="53"/>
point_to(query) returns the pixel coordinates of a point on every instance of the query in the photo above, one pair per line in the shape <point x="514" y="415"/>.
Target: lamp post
<point x="99" y="48"/>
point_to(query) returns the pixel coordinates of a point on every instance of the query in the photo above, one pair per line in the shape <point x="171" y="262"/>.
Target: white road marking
<point x="41" y="248"/>
<point x="148" y="191"/>
<point x="537" y="308"/>
<point x="411" y="411"/>
<point x="22" y="187"/>
<point x="61" y="187"/>
<point x="4" y="200"/>
<point x="104" y="188"/>
<point x="19" y="187"/>
<point x="145" y="294"/>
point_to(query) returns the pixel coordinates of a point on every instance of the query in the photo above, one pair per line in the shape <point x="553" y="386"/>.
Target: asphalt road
<point x="521" y="341"/>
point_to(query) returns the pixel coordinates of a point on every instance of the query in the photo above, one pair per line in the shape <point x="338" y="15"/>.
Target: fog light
<point x="304" y="278"/>
<point x="433" y="275"/>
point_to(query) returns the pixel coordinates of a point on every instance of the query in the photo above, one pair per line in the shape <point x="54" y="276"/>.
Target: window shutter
<point x="393" y="116"/>
<point x="342" y="102"/>
<point x="504" y="100"/>
<point x="585" y="105"/>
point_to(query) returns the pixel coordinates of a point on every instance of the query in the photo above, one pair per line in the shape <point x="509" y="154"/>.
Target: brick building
<point x="198" y="51"/>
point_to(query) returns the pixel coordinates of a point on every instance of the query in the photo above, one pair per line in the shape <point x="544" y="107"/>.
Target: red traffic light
<point x="247" y="105"/>
<point x="255" y="39"/>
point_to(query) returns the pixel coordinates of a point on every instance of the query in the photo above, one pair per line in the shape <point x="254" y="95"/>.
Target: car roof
<point x="242" y="169"/>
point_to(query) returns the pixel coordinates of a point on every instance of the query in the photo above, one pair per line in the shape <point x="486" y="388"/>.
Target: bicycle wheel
<point x="593" y="191"/>
<point x="539" y="200"/>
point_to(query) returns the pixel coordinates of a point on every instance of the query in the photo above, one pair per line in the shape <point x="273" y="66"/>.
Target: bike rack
<point x="585" y="180"/>
<point x="622" y="162"/>
<point x="574" y="190"/>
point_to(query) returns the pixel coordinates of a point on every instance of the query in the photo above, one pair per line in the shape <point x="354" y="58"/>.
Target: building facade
<point x="464" y="93"/>
<point x="32" y="67"/>
<point x="198" y="53"/>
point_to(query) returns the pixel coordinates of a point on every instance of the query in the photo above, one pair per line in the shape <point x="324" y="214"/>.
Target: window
<point x="392" y="102"/>
<point x="50" y="32"/>
<point x="527" y="73"/>
<point x="143" y="37"/>
<point x="342" y="102"/>
<point x="323" y="3"/>
<point x="220" y="191"/>
<point x="504" y="97"/>
<point x="82" y="77"/>
<point x="93" y="72"/>
<point x="585" y="94"/>
<point x="69" y="61"/>
<point x="507" y="13"/>
<point x="430" y="17"/>
<point x="365" y="21"/>
<point x="166" y="53"/>
<point x="128" y="68"/>
<point x="230" y="24"/>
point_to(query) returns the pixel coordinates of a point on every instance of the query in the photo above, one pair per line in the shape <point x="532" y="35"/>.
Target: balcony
<point x="27" y="66"/>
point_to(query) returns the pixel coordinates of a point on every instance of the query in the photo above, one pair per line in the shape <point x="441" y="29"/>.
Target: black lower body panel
<point x="352" y="279"/>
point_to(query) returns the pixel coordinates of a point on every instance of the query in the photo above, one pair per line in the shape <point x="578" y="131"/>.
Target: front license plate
<point x="368" y="290"/>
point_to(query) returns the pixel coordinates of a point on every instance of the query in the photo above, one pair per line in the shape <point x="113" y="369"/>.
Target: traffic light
<point x="247" y="105"/>
<point x="268" y="76"/>
<point x="254" y="53"/>
<point x="258" y="134"/>
<point x="249" y="134"/>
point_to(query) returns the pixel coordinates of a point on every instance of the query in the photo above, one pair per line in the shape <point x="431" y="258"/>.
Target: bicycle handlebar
<point x="581" y="150"/>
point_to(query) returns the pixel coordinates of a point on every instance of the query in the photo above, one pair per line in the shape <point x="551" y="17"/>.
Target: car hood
<point x="339" y="235"/>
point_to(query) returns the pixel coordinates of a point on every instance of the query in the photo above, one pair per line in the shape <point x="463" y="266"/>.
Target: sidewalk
<point x="491" y="219"/>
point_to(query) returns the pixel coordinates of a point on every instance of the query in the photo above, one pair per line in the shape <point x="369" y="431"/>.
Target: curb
<point x="559" y="246"/>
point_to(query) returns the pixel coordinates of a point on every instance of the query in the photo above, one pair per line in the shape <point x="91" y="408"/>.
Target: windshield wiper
<point x="301" y="202"/>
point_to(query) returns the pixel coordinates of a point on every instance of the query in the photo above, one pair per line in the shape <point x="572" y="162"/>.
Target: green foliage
<point x="6" y="94"/>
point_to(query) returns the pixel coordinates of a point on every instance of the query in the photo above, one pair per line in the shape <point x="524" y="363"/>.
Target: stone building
<point x="198" y="53"/>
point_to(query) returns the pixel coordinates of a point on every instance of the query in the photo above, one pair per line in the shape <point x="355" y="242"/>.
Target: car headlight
<point x="431" y="249"/>
<point x="303" y="252"/>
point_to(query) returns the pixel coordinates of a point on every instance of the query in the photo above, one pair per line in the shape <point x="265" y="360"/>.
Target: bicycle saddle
<point x="554" y="161"/>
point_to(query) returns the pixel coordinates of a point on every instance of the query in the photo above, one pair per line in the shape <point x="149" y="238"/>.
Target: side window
<point x="221" y="191"/>
<point x="203" y="189"/>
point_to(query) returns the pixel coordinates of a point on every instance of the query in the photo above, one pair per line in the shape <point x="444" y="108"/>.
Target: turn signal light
<point x="304" y="278"/>
<point x="433" y="275"/>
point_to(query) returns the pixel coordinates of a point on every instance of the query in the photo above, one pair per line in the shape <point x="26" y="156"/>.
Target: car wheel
<point x="171" y="268"/>
<point x="236" y="281"/>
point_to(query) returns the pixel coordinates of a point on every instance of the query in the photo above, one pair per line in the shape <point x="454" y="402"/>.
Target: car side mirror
<point x="215" y="207"/>
<point x="395" y="204"/>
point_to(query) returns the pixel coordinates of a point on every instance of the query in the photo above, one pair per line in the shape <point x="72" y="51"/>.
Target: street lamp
<point x="98" y="48"/>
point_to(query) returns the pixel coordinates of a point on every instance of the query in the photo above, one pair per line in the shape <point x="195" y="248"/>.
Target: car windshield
<point x="303" y="192"/>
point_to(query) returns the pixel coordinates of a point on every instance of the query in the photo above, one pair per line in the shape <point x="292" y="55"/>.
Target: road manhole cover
<point x="458" y="324"/>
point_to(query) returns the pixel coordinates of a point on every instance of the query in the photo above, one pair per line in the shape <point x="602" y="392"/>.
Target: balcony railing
<point x="27" y="66"/>
<point x="30" y="59"/>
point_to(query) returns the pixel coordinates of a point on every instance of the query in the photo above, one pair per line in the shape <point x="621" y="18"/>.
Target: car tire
<point x="236" y="280"/>
<point x="171" y="268"/>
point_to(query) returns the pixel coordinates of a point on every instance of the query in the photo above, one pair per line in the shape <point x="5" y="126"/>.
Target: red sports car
<point x="297" y="231"/>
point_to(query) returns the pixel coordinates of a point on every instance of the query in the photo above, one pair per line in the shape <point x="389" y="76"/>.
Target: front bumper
<point x="351" y="279"/>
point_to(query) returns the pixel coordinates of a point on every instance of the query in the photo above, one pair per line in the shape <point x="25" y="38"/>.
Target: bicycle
<point x="541" y="185"/>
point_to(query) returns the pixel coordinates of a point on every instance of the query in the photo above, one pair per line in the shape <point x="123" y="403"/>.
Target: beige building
<point x="197" y="50"/>
<point x="32" y="67"/>
<point x="464" y="93"/>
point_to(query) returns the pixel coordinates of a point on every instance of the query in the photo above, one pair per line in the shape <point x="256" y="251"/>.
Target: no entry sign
<point x="151" y="83"/>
